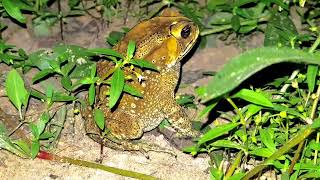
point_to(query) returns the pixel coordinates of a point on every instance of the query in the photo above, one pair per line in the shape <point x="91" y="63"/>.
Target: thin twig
<point x="60" y="19"/>
<point x="296" y="157"/>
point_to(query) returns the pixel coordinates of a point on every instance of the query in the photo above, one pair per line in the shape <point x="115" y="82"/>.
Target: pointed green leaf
<point x="13" y="10"/>
<point x="267" y="139"/>
<point x="15" y="89"/>
<point x="217" y="131"/>
<point x="61" y="97"/>
<point x="117" y="84"/>
<point x="312" y="73"/>
<point x="131" y="90"/>
<point x="253" y="97"/>
<point x="131" y="49"/>
<point x="206" y="111"/>
<point x="105" y="51"/>
<point x="92" y="94"/>
<point x="42" y="74"/>
<point x="99" y="118"/>
<point x="35" y="148"/>
<point x="66" y="83"/>
<point x="227" y="144"/>
<point x="144" y="64"/>
<point x="23" y="146"/>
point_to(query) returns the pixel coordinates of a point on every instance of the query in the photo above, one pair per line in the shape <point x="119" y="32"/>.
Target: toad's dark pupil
<point x="185" y="32"/>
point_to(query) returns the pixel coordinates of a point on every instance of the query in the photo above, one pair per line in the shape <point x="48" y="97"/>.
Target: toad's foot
<point x="182" y="125"/>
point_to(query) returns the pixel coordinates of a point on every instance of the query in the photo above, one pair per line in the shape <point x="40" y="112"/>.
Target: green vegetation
<point x="274" y="124"/>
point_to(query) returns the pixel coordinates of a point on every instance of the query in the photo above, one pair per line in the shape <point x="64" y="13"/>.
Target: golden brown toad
<point x="164" y="41"/>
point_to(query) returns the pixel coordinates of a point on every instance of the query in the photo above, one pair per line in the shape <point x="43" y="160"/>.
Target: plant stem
<point x="237" y="110"/>
<point x="296" y="157"/>
<point x="315" y="45"/>
<point x="316" y="151"/>
<point x="234" y="165"/>
<point x="78" y="162"/>
<point x="315" y="104"/>
<point x="226" y="27"/>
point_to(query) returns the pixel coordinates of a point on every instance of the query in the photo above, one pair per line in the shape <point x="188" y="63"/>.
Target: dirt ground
<point x="88" y="32"/>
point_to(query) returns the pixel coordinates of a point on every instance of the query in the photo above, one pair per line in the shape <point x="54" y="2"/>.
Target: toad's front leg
<point x="180" y="121"/>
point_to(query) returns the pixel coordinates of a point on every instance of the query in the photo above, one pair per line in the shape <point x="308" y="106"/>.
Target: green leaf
<point x="13" y="10"/>
<point x="34" y="130"/>
<point x="35" y="148"/>
<point x="193" y="150"/>
<point x="61" y="97"/>
<point x="235" y="23"/>
<point x="93" y="70"/>
<point x="185" y="99"/>
<point x="131" y="49"/>
<point x="42" y="74"/>
<point x="316" y="123"/>
<point x="15" y="89"/>
<point x="262" y="152"/>
<point x="23" y="146"/>
<point x="66" y="69"/>
<point x="312" y="72"/>
<point x="41" y="125"/>
<point x="253" y="97"/>
<point x="105" y="51"/>
<point x="117" y="84"/>
<point x="252" y="110"/>
<point x="311" y="175"/>
<point x="114" y="37"/>
<point x="247" y="29"/>
<point x="227" y="144"/>
<point x="144" y="64"/>
<point x="217" y="131"/>
<point x="280" y="30"/>
<point x="221" y="18"/>
<point x="99" y="118"/>
<point x="206" y="111"/>
<point x="39" y="59"/>
<point x="6" y="143"/>
<point x="131" y="90"/>
<point x="92" y="94"/>
<point x="38" y="94"/>
<point x="237" y="176"/>
<point x="267" y="139"/>
<point x="46" y="135"/>
<point x="66" y="83"/>
<point x="245" y="65"/>
<point x="45" y="117"/>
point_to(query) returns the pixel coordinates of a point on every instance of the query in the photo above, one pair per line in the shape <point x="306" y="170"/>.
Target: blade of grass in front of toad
<point x="117" y="84"/>
<point x="245" y="65"/>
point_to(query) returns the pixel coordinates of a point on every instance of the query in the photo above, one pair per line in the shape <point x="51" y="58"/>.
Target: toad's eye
<point x="185" y="32"/>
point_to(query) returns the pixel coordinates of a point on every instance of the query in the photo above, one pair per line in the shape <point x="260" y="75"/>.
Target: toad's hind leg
<point x="125" y="134"/>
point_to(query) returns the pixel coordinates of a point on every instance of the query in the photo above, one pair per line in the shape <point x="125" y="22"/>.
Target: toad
<point x="164" y="41"/>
